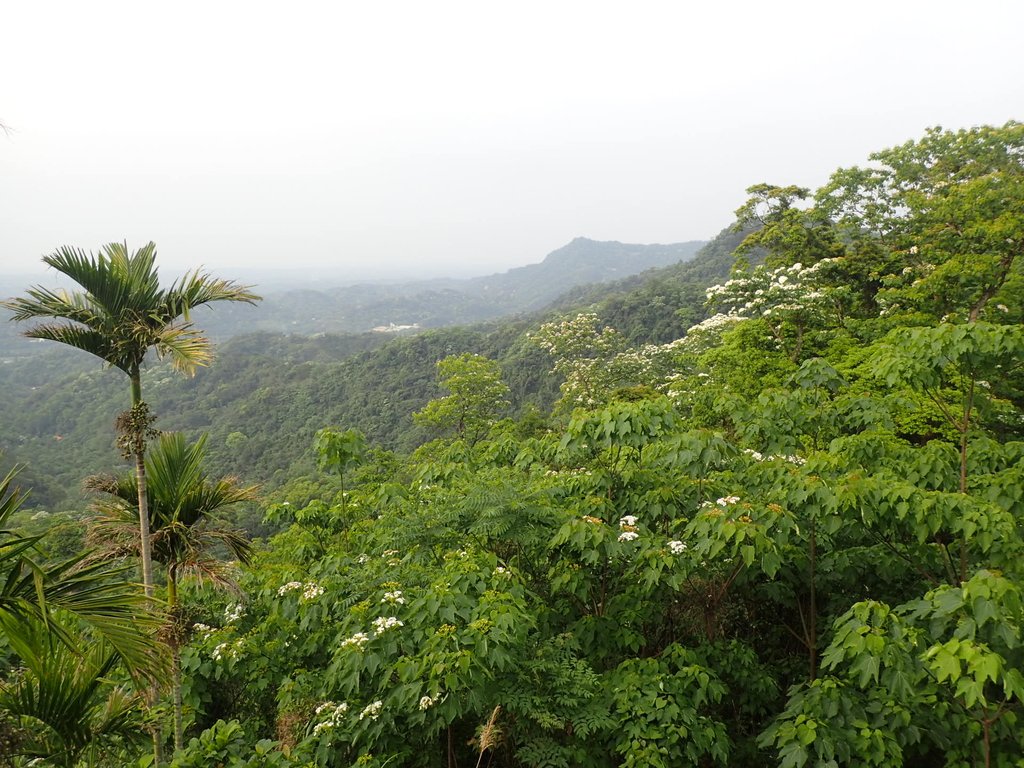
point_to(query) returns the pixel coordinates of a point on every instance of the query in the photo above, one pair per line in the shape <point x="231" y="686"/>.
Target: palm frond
<point x="96" y="594"/>
<point x="115" y="280"/>
<point x="186" y="347"/>
<point x="124" y="308"/>
<point x="198" y="288"/>
<point x="212" y="571"/>
<point x="77" y="336"/>
<point x="43" y="302"/>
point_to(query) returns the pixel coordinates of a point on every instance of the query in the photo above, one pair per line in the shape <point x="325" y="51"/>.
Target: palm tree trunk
<point x="145" y="545"/>
<point x="172" y="602"/>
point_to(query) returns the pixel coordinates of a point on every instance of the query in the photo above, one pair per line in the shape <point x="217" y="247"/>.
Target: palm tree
<point x="185" y="532"/>
<point x="64" y="704"/>
<point x="122" y="314"/>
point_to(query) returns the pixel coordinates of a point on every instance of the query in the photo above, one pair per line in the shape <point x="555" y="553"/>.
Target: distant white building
<point x="392" y="328"/>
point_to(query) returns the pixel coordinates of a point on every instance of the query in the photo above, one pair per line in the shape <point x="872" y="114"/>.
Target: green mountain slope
<point x="266" y="394"/>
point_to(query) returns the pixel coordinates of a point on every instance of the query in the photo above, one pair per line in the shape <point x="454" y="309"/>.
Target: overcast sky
<point x="433" y="137"/>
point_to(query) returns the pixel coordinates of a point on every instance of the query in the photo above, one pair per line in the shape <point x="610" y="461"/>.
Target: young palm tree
<point x="30" y="593"/>
<point x="122" y="313"/>
<point x="183" y="503"/>
<point x="64" y="704"/>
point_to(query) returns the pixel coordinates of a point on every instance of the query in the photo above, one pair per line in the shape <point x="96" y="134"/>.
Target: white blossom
<point x="335" y="713"/>
<point x="627" y="521"/>
<point x="372" y="711"/>
<point x="426" y="702"/>
<point x="358" y="640"/>
<point x="234" y="612"/>
<point x="312" y="591"/>
<point x="629" y="536"/>
<point x="394" y="597"/>
<point x="677" y="547"/>
<point x="225" y="651"/>
<point x="384" y="623"/>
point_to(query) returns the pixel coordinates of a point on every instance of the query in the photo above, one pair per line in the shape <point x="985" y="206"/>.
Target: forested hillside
<point x="270" y="392"/>
<point x="766" y="516"/>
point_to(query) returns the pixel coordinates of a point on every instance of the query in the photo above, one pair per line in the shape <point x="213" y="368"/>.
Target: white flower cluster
<point x="627" y="521"/>
<point x="363" y="559"/>
<point x="791" y="459"/>
<point x="312" y="591"/>
<point x="332" y="715"/>
<point x="394" y="597"/>
<point x="426" y="702"/>
<point x="707" y="333"/>
<point x="225" y="651"/>
<point x="769" y="292"/>
<point x="384" y="623"/>
<point x="372" y="711"/>
<point x="500" y="571"/>
<point x="725" y="501"/>
<point x="628" y="526"/>
<point x="592" y="360"/>
<point x="677" y="547"/>
<point x="578" y="471"/>
<point x="203" y="630"/>
<point x="233" y="612"/>
<point x="358" y="640"/>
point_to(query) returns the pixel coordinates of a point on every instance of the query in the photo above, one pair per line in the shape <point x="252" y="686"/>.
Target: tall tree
<point x="184" y="503"/>
<point x="948" y="207"/>
<point x="477" y="397"/>
<point x="122" y="313"/>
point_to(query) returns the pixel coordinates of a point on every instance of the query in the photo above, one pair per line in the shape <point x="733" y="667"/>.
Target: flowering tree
<point x="790" y="299"/>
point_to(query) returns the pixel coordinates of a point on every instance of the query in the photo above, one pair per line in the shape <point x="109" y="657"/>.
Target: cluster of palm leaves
<point x="69" y="624"/>
<point x="86" y="645"/>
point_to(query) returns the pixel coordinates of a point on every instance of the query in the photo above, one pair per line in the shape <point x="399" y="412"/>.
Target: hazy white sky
<point x="411" y="138"/>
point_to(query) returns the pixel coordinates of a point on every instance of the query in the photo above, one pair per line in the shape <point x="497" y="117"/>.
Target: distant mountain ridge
<point x="581" y="262"/>
<point x="418" y="304"/>
<point x="444" y="302"/>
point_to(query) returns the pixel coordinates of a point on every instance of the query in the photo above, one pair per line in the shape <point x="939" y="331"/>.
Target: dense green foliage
<point x="790" y="536"/>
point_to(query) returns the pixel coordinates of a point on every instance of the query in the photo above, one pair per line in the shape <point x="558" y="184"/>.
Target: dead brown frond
<point x="490" y="735"/>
